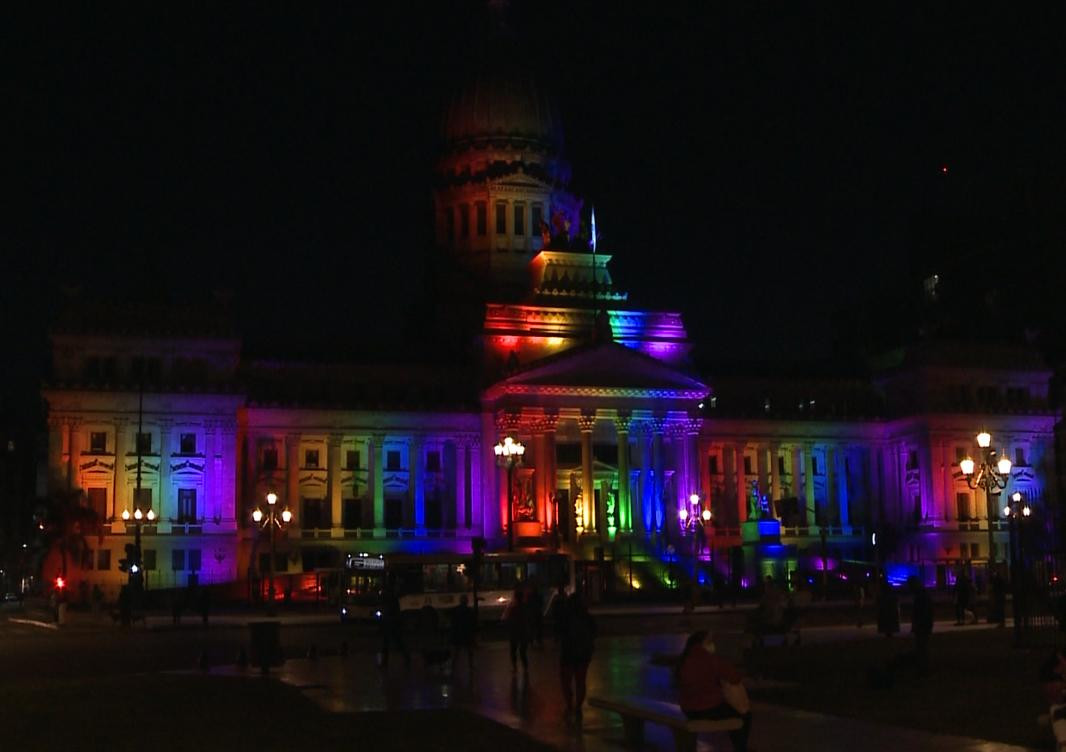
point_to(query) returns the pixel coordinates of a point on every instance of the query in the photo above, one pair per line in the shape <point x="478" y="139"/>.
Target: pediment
<point x="520" y="180"/>
<point x="608" y="369"/>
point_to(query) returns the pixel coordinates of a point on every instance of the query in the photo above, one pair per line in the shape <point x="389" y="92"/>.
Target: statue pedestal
<point x="761" y="531"/>
<point x="527" y="529"/>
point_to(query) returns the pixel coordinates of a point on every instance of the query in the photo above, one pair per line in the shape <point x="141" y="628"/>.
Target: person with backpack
<point x="575" y="653"/>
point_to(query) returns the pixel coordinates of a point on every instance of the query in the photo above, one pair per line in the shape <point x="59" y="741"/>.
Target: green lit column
<point x="625" y="512"/>
<point x="377" y="467"/>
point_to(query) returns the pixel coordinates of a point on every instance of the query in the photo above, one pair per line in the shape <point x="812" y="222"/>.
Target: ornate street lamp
<point x="690" y="524"/>
<point x="991" y="476"/>
<point x="1016" y="511"/>
<point x="272" y="520"/>
<point x="509" y="454"/>
<point x="136" y="565"/>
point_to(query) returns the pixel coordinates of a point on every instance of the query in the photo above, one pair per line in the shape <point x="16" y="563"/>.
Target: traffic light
<point x="60" y="583"/>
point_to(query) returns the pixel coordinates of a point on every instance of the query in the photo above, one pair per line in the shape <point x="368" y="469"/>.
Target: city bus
<point x="438" y="580"/>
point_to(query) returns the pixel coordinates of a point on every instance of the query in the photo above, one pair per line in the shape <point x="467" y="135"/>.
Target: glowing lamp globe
<point x="694" y="499"/>
<point x="125" y="514"/>
<point x="137" y="514"/>
<point x="682" y="514"/>
<point x="272" y="498"/>
<point x="1006" y="511"/>
<point x="498" y="449"/>
<point x="966" y="465"/>
<point x="286" y="516"/>
<point x="257" y="515"/>
<point x="1026" y="511"/>
<point x="706" y="515"/>
<point x="520" y="449"/>
<point x="984" y="439"/>
<point x="1003" y="466"/>
<point x="1016" y="496"/>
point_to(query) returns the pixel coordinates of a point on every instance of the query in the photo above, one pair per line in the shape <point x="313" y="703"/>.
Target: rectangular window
<point x="87" y="558"/>
<point x="98" y="501"/>
<point x="464" y="220"/>
<point x="351" y="459"/>
<point x="501" y="218"/>
<point x="781" y="470"/>
<point x="353" y="514"/>
<point x="315" y="514"/>
<point x="311" y="458"/>
<point x="433" y="461"/>
<point x="194" y="560"/>
<point x="188" y="443"/>
<point x="98" y="442"/>
<point x="177" y="560"/>
<point x="912" y="459"/>
<point x="1019" y="456"/>
<point x="519" y="219"/>
<point x="149" y="559"/>
<point x="537" y="220"/>
<point x="712" y="462"/>
<point x="270" y="458"/>
<point x="747" y="465"/>
<point x="142" y="499"/>
<point x="144" y="443"/>
<point x="392" y="460"/>
<point x="962" y="507"/>
<point x="482" y="218"/>
<point x="103" y="559"/>
<point x="186" y="505"/>
<point x="917" y="508"/>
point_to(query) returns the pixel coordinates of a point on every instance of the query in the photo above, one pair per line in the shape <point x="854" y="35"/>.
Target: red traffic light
<point x="60" y="583"/>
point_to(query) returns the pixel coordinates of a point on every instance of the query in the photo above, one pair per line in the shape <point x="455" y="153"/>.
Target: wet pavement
<point x="623" y="666"/>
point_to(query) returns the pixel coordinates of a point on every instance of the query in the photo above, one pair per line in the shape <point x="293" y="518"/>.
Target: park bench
<point x="636" y="711"/>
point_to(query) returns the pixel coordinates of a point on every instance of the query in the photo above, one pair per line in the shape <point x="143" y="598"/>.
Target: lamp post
<point x="136" y="566"/>
<point x="991" y="476"/>
<point x="272" y="520"/>
<point x="1016" y="511"/>
<point x="509" y="454"/>
<point x="690" y="523"/>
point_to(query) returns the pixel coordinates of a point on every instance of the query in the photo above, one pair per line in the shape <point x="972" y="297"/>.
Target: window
<point x="177" y="560"/>
<point x="148" y="555"/>
<point x="814" y="465"/>
<point x="270" y="458"/>
<point x="464" y="220"/>
<point x="103" y="559"/>
<point x="98" y="442"/>
<point x="537" y="220"/>
<point x="392" y="460"/>
<point x="188" y="443"/>
<point x="98" y="501"/>
<point x="912" y="459"/>
<point x="975" y="550"/>
<point x="960" y="454"/>
<point x="352" y="514"/>
<point x="311" y="458"/>
<point x="917" y="508"/>
<point x="315" y="514"/>
<point x="142" y="499"/>
<point x="351" y="459"/>
<point x="712" y="462"/>
<point x="501" y="218"/>
<point x="194" y="560"/>
<point x="1019" y="457"/>
<point x="962" y="507"/>
<point x="747" y="465"/>
<point x="87" y="558"/>
<point x="433" y="461"/>
<point x="519" y="219"/>
<point x="144" y="443"/>
<point x="186" y="505"/>
<point x="482" y="218"/>
<point x="781" y="465"/>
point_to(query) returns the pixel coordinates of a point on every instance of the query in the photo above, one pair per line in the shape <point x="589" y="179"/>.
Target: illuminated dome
<point x="498" y="106"/>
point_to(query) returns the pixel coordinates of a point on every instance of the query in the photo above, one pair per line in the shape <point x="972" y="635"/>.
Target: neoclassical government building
<point x="628" y="451"/>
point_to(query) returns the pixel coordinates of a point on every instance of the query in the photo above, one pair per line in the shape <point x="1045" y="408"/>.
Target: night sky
<point x="775" y="175"/>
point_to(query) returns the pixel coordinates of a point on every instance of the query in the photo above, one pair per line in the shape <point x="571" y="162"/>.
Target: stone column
<point x="808" y="485"/>
<point x="477" y="488"/>
<point x="292" y="478"/>
<point x="625" y="509"/>
<point x="925" y="481"/>
<point x="551" y="419"/>
<point x="75" y="443"/>
<point x="643" y="522"/>
<point x="692" y="462"/>
<point x="798" y="482"/>
<point x="333" y="483"/>
<point x="418" y="480"/>
<point x="843" y="497"/>
<point x="658" y="514"/>
<point x="251" y="479"/>
<point x="763" y="469"/>
<point x="376" y="466"/>
<point x="947" y="475"/>
<point x="460" y="483"/>
<point x="589" y="520"/>
<point x="206" y="508"/>
<point x="832" y="503"/>
<point x="227" y="453"/>
<point x="742" y="483"/>
<point x="166" y="505"/>
<point x="775" y="477"/>
<point x="118" y="500"/>
<point x="540" y="492"/>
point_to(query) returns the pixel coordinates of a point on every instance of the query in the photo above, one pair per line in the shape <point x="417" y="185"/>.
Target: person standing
<point x="703" y="678"/>
<point x="463" y="632"/>
<point x="921" y="623"/>
<point x="575" y="653"/>
<point x="517" y="621"/>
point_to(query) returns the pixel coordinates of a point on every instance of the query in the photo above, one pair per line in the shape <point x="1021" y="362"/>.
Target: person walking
<point x="463" y="632"/>
<point x="517" y="621"/>
<point x="921" y="624"/>
<point x="575" y="653"/>
<point x="704" y="682"/>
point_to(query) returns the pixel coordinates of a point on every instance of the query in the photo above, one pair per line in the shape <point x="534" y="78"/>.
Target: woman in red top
<point x="700" y="674"/>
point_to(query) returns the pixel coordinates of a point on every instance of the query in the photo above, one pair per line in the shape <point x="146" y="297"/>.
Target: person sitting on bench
<point x="704" y="679"/>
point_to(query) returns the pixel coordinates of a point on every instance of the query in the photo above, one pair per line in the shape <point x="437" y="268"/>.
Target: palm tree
<point x="66" y="521"/>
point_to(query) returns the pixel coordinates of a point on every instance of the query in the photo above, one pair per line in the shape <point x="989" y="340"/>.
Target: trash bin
<point x="61" y="614"/>
<point x="266" y="643"/>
